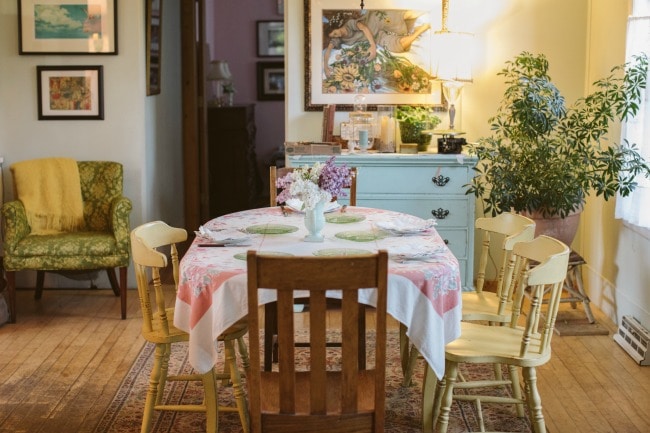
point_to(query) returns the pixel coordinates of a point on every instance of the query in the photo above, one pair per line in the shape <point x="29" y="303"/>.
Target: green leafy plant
<point x="413" y="119"/>
<point x="545" y="157"/>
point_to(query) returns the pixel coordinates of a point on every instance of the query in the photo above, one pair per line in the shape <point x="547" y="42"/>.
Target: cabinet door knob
<point x="440" y="180"/>
<point x="440" y="213"/>
<point x="446" y="241"/>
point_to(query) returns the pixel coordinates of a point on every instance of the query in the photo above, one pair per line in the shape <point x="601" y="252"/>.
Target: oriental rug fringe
<point x="403" y="404"/>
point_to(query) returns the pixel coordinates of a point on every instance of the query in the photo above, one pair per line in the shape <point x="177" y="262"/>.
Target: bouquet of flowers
<point x="320" y="182"/>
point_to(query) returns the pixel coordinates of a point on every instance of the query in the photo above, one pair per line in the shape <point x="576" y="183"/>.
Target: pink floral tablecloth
<point x="423" y="291"/>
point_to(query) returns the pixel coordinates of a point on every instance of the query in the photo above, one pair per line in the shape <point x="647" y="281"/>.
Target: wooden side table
<point x="574" y="287"/>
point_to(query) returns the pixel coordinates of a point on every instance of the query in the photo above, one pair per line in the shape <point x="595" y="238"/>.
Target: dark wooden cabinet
<point x="233" y="180"/>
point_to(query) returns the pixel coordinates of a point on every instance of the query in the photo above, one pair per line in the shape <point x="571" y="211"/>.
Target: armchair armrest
<point x="120" y="211"/>
<point x="14" y="224"/>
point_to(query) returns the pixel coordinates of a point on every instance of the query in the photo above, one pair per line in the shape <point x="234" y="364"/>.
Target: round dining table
<point x="424" y="286"/>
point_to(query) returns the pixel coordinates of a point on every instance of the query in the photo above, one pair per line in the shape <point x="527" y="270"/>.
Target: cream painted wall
<point x="143" y="133"/>
<point x="617" y="273"/>
<point x="582" y="39"/>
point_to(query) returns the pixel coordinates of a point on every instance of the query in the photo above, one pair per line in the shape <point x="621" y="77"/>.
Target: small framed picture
<point x="280" y="7"/>
<point x="67" y="26"/>
<point x="270" y="38"/>
<point x="270" y="81"/>
<point x="70" y="92"/>
<point x="154" y="45"/>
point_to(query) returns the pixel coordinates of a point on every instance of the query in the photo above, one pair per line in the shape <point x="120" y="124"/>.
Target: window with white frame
<point x="635" y="208"/>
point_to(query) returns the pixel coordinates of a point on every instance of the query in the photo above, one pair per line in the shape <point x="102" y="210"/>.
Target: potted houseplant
<point x="413" y="120"/>
<point x="543" y="158"/>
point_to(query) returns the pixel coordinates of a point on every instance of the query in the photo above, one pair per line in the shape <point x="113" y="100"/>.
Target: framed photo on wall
<point x="67" y="26"/>
<point x="270" y="38"/>
<point x="154" y="45"/>
<point x="70" y="92"/>
<point x="270" y="81"/>
<point x="340" y="62"/>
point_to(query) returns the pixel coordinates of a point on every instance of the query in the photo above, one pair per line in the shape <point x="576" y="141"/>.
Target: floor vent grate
<point x="634" y="338"/>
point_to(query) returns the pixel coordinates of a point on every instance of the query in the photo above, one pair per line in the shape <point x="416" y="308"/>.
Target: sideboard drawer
<point x="448" y="212"/>
<point x="456" y="240"/>
<point x="422" y="180"/>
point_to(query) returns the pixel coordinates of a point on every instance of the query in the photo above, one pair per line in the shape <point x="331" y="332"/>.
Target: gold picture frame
<point x="390" y="77"/>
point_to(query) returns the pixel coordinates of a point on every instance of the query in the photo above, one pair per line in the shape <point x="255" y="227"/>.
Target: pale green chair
<point x="102" y="244"/>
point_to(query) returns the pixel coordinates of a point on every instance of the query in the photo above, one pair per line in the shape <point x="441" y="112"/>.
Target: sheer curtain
<point x="635" y="208"/>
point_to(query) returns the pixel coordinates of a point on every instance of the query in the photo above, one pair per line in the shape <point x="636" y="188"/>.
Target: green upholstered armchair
<point x="103" y="244"/>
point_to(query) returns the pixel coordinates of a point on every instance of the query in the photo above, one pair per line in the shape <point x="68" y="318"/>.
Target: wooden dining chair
<point x="479" y="305"/>
<point x="331" y="398"/>
<point x="276" y="173"/>
<point x="524" y="343"/>
<point x="151" y="244"/>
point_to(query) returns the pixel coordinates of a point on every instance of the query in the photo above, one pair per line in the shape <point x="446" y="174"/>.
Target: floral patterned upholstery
<point x="104" y="244"/>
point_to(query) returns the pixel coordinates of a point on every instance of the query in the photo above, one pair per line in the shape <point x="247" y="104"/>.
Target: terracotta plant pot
<point x="563" y="229"/>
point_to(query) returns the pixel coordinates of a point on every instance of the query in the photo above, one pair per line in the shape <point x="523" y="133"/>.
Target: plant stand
<point x="573" y="285"/>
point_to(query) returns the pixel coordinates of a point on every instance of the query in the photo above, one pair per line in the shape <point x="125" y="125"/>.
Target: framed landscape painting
<point x="70" y="92"/>
<point x="67" y="26"/>
<point x="382" y="52"/>
<point x="270" y="38"/>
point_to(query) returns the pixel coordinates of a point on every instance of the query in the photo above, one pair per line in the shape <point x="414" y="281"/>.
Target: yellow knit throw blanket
<point x="50" y="190"/>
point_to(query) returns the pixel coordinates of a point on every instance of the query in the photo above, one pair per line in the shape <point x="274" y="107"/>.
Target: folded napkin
<point x="296" y="204"/>
<point x="406" y="225"/>
<point x="223" y="237"/>
<point x="416" y="252"/>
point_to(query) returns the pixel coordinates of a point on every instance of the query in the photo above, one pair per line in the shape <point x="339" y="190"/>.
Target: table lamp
<point x="219" y="74"/>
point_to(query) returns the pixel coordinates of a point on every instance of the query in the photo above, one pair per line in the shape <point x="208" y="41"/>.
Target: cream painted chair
<point x="525" y="343"/>
<point x="494" y="307"/>
<point x="147" y="243"/>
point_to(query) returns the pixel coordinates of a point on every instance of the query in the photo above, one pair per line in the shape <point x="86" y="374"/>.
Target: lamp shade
<point x="452" y="56"/>
<point x="219" y="70"/>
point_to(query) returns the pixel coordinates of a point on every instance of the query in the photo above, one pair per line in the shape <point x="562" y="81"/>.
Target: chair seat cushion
<point x="67" y="244"/>
<point x="64" y="251"/>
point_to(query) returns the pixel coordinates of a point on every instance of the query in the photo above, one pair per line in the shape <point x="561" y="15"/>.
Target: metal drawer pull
<point x="440" y="180"/>
<point x="440" y="213"/>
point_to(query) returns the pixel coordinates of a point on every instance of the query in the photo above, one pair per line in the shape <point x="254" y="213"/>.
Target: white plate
<point x="296" y="205"/>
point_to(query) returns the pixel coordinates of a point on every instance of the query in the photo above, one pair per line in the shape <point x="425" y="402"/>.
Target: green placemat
<point x="341" y="252"/>
<point x="242" y="256"/>
<point x="271" y="229"/>
<point x="342" y="218"/>
<point x="361" y="235"/>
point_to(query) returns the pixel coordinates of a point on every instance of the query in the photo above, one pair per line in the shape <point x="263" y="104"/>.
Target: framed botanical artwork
<point x="270" y="81"/>
<point x="154" y="45"/>
<point x="67" y="26"/>
<point x="270" y="38"/>
<point x="70" y="92"/>
<point x="383" y="52"/>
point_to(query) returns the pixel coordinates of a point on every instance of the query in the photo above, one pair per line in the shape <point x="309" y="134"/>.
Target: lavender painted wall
<point x="231" y="32"/>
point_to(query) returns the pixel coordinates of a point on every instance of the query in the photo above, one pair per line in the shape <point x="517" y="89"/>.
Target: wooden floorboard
<point x="61" y="364"/>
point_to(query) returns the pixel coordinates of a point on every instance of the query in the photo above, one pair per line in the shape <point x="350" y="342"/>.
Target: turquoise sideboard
<point x="425" y="185"/>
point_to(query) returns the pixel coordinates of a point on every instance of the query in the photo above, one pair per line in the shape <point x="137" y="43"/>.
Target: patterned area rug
<point x="403" y="405"/>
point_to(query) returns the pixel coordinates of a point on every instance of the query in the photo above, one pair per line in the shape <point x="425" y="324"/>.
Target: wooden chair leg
<point x="110" y="272"/>
<point x="11" y="294"/>
<point x="451" y="372"/>
<point x="534" y="400"/>
<point x="119" y="289"/>
<point x="40" y="280"/>
<point x="152" y="391"/>
<point x="123" y="291"/>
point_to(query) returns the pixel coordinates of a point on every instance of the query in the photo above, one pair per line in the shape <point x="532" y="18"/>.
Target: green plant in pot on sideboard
<point x="543" y="158"/>
<point x="413" y="119"/>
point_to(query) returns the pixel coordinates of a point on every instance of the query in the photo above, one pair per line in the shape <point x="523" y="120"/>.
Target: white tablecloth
<point x="422" y="294"/>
